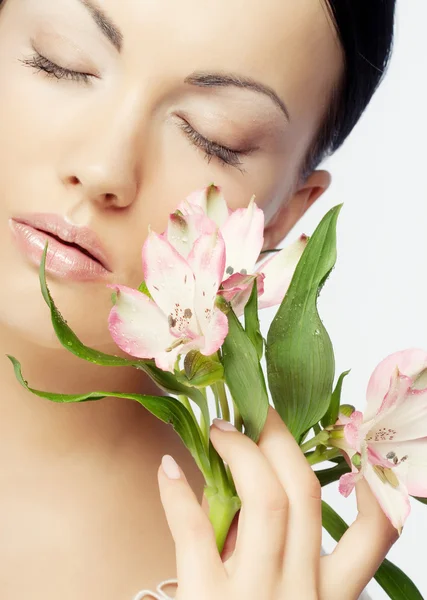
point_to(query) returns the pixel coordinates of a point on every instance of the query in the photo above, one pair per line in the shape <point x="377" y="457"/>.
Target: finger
<point x="303" y="491"/>
<point x="198" y="562"/>
<point x="364" y="546"/>
<point x="262" y="521"/>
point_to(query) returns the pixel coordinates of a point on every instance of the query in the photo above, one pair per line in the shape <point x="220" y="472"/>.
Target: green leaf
<point x="144" y="290"/>
<point x="392" y="579"/>
<point x="169" y="410"/>
<point x="327" y="476"/>
<point x="244" y="377"/>
<point x="164" y="379"/>
<point x="300" y="357"/>
<point x="332" y="413"/>
<point x="422" y="500"/>
<point x="202" y="371"/>
<point x="252" y="326"/>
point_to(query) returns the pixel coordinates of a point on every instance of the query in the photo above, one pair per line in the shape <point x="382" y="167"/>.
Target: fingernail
<point x="223" y="425"/>
<point x="170" y="467"/>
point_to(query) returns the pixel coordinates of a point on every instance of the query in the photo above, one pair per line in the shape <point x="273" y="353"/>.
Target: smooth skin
<point x="274" y="550"/>
<point x="80" y="512"/>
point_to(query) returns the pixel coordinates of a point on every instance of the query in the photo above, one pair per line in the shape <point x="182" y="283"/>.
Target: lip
<point x="85" y="260"/>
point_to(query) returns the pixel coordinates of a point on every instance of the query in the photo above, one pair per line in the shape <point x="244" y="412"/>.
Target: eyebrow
<point x="105" y="24"/>
<point x="204" y="79"/>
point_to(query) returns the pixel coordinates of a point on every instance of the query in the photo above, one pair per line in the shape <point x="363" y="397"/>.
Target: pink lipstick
<point x="74" y="252"/>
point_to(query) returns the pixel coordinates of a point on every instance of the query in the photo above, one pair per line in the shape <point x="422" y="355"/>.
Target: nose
<point x="103" y="161"/>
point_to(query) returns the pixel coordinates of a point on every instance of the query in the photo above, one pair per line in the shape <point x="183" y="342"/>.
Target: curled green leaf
<point x="300" y="357"/>
<point x="202" y="371"/>
<point x="252" y="326"/>
<point x="332" y="413"/>
<point x="244" y="377"/>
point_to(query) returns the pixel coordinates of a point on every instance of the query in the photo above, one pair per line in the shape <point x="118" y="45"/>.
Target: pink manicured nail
<point x="223" y="425"/>
<point x="170" y="467"/>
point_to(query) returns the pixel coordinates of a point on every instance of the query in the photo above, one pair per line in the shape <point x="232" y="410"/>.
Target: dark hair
<point x="365" y="29"/>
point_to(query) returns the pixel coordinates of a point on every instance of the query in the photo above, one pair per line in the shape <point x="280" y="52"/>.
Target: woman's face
<point x="115" y="135"/>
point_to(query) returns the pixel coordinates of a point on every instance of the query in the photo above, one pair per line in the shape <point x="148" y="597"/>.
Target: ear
<point x="294" y="208"/>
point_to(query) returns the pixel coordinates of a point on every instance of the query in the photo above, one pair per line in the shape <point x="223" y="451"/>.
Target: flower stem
<point x="204" y="427"/>
<point x="222" y="509"/>
<point x="320" y="439"/>
<point x="222" y="497"/>
<point x="319" y="457"/>
<point x="238" y="421"/>
<point x="186" y="402"/>
<point x="222" y="396"/>
<point x="217" y="406"/>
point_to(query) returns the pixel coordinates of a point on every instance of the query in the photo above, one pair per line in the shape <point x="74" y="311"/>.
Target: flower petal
<point x="215" y="333"/>
<point x="166" y="359"/>
<point x="184" y="229"/>
<point x="352" y="430"/>
<point x="207" y="260"/>
<point x="412" y="470"/>
<point x="243" y="233"/>
<point x="347" y="482"/>
<point x="407" y="420"/>
<point x="394" y="501"/>
<point x="409" y="362"/>
<point x="197" y="198"/>
<point x="170" y="281"/>
<point x="279" y="270"/>
<point x="238" y="288"/>
<point x="137" y="325"/>
<point x="212" y="202"/>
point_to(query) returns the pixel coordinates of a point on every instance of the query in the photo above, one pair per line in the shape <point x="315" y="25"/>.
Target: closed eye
<point x="226" y="155"/>
<point x="40" y="63"/>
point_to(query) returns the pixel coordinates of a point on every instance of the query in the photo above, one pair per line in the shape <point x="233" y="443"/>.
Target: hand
<point x="272" y="550"/>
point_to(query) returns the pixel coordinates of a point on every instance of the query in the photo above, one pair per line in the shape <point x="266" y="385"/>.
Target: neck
<point x="37" y="427"/>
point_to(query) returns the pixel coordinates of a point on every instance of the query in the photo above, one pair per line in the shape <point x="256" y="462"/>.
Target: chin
<point x="23" y="311"/>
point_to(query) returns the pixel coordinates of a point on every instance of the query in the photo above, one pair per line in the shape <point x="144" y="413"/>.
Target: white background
<point x="375" y="301"/>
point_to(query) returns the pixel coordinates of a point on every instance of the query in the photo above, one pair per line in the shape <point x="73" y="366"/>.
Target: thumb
<point x="197" y="558"/>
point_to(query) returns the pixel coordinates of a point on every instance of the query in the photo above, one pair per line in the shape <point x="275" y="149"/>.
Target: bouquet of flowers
<point x="193" y="327"/>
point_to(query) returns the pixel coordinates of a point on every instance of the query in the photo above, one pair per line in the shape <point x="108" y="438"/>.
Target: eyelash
<point x="212" y="149"/>
<point x="226" y="155"/>
<point x="51" y="69"/>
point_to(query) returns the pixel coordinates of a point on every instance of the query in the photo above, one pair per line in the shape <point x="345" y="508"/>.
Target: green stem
<point x="269" y="251"/>
<point x="186" y="402"/>
<point x="238" y="421"/>
<point x="204" y="428"/>
<point x="221" y="496"/>
<point x="222" y="510"/>
<point x="217" y="406"/>
<point x="203" y="424"/>
<point x="222" y="396"/>
<point x="317" y="458"/>
<point x="320" y="438"/>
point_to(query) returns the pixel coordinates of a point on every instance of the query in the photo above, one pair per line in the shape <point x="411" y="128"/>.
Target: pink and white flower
<point x="181" y="314"/>
<point x="389" y="442"/>
<point x="243" y="234"/>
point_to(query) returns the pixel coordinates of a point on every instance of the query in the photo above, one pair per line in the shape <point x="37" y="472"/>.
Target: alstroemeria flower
<point x="243" y="233"/>
<point x="181" y="314"/>
<point x="390" y="439"/>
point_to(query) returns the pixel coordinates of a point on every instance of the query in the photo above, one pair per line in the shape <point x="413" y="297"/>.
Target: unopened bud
<point x="347" y="410"/>
<point x="357" y="461"/>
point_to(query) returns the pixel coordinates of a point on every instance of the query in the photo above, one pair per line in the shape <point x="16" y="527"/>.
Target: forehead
<point x="289" y="45"/>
